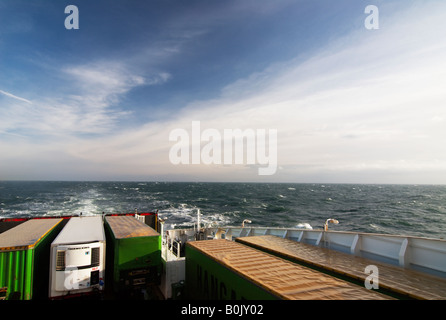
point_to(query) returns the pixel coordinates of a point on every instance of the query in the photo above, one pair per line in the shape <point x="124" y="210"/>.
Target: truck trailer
<point x="134" y="255"/>
<point x="24" y="259"/>
<point x="227" y="270"/>
<point x="77" y="265"/>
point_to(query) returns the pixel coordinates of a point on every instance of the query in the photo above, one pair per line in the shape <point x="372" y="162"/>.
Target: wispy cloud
<point x="10" y="95"/>
<point x="102" y="83"/>
<point x="375" y="104"/>
<point x="88" y="102"/>
<point x="158" y="78"/>
<point x="364" y="107"/>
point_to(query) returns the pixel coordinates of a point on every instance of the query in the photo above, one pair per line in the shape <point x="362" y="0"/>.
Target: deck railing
<point x="422" y="254"/>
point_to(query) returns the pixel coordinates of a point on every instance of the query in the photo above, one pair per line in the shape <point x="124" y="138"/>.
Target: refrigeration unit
<point x="77" y="263"/>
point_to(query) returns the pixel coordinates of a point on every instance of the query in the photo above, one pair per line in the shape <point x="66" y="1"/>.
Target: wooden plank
<point x="402" y="281"/>
<point x="129" y="227"/>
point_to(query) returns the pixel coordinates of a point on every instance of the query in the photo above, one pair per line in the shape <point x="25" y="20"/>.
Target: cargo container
<point x="395" y="280"/>
<point x="24" y="259"/>
<point x="5" y="224"/>
<point x="134" y="254"/>
<point x="223" y="269"/>
<point x="77" y="264"/>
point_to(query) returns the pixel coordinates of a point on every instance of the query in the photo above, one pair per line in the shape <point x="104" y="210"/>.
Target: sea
<point x="412" y="210"/>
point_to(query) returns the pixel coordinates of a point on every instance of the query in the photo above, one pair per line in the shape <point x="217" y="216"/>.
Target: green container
<point x="223" y="269"/>
<point x="210" y="277"/>
<point x="24" y="259"/>
<point x="134" y="253"/>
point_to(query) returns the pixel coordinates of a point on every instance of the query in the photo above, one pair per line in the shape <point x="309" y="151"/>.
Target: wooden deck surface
<point x="401" y="281"/>
<point x="129" y="227"/>
<point x="285" y="279"/>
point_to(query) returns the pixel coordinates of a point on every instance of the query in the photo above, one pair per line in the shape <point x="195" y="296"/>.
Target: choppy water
<point x="394" y="209"/>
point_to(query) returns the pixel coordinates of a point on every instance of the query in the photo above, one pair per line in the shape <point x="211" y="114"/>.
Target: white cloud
<point x="369" y="109"/>
<point x="102" y="84"/>
<point x="92" y="105"/>
<point x="372" y="105"/>
<point x="159" y="78"/>
<point x="10" y="95"/>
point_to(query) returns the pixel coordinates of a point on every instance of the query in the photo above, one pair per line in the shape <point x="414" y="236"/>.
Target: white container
<point x="77" y="258"/>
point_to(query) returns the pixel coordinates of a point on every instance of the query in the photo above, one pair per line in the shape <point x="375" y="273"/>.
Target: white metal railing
<point x="174" y="247"/>
<point x="174" y="240"/>
<point x="423" y="254"/>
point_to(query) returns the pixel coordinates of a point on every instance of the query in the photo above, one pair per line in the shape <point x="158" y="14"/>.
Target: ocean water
<point x="417" y="210"/>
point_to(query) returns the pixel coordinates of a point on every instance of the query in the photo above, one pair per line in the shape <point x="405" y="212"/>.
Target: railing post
<point x="403" y="254"/>
<point x="319" y="238"/>
<point x="285" y="234"/>
<point x="301" y="237"/>
<point x="355" y="248"/>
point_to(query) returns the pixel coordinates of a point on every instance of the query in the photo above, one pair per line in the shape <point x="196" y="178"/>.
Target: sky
<point x="349" y="103"/>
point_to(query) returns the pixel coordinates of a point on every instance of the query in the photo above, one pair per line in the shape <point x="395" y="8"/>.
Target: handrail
<point x="173" y="246"/>
<point x="423" y="254"/>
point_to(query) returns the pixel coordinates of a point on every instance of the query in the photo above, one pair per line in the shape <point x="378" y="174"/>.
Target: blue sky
<point x="98" y="103"/>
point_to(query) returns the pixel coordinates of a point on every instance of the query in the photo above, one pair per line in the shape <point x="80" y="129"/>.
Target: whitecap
<point x="374" y="226"/>
<point x="304" y="226"/>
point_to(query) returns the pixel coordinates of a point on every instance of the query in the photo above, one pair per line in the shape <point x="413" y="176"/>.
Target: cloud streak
<point x="10" y="95"/>
<point x="89" y="102"/>
<point x="374" y="105"/>
<point x="366" y="108"/>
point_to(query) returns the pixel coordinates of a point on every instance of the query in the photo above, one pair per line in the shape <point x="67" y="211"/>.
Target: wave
<point x="411" y="210"/>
